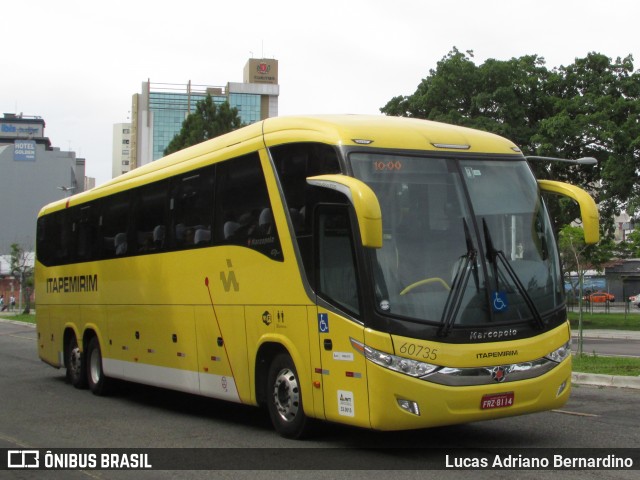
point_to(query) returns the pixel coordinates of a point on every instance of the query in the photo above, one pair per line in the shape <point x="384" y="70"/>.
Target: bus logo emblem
<point x="229" y="280"/>
<point x="499" y="374"/>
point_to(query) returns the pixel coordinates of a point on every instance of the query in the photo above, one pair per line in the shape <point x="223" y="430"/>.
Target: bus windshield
<point x="466" y="242"/>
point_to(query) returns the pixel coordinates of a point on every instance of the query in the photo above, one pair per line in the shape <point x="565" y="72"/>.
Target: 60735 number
<point x="421" y="351"/>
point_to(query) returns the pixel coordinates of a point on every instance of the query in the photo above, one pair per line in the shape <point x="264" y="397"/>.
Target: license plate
<point x="497" y="400"/>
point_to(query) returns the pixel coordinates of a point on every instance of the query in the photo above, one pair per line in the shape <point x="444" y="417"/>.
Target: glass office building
<point x="170" y="108"/>
<point x="159" y="110"/>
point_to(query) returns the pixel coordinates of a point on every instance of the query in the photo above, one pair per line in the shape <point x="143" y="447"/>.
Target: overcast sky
<point x="76" y="64"/>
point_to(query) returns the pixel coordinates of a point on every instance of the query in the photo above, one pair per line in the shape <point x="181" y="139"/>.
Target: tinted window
<point x="116" y="241"/>
<point x="87" y="232"/>
<point x="294" y="163"/>
<point x="337" y="274"/>
<point x="171" y="214"/>
<point x="152" y="218"/>
<point x="192" y="208"/>
<point x="244" y="214"/>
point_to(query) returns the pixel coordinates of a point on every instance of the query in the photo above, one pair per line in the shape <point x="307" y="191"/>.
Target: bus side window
<point x="294" y="162"/>
<point x="243" y="209"/>
<point x="115" y="226"/>
<point x="151" y="218"/>
<point x="192" y="209"/>
<point x="337" y="275"/>
<point x="53" y="244"/>
<point x="86" y="228"/>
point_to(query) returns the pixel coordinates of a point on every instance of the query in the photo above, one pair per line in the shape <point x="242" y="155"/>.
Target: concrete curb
<point x="600" y="380"/>
<point x="618" y="334"/>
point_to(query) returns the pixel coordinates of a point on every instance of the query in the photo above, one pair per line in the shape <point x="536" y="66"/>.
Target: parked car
<point x="599" y="297"/>
<point x="635" y="300"/>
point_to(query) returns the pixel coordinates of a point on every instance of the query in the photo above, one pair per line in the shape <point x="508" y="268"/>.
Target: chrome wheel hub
<point x="286" y="395"/>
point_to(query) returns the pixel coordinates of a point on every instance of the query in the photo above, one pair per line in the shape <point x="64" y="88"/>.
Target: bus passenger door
<point x="343" y="370"/>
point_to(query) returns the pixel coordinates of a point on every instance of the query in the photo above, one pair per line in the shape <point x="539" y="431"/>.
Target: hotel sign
<point x="261" y="70"/>
<point x="21" y="130"/>
<point x="24" y="151"/>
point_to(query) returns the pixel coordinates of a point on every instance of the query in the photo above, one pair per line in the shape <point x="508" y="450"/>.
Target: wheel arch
<point x="88" y="334"/>
<point x="67" y="333"/>
<point x="265" y="355"/>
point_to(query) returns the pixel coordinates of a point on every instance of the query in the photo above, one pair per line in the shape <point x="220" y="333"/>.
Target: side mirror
<point x="588" y="208"/>
<point x="364" y="201"/>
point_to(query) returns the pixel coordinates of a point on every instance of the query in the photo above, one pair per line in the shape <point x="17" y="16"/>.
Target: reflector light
<point x="409" y="406"/>
<point x="562" y="388"/>
<point x="361" y="141"/>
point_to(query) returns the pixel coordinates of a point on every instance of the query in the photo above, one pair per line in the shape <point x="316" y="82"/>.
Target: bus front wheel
<point x="284" y="398"/>
<point x="98" y="382"/>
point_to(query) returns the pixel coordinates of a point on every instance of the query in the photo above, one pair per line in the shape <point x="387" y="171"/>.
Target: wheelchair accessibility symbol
<point x="499" y="301"/>
<point x="323" y="323"/>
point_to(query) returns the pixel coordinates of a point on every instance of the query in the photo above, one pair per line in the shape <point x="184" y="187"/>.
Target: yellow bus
<point x="386" y="273"/>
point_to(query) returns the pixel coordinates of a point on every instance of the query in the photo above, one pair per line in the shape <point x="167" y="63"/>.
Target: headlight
<point x="561" y="353"/>
<point x="404" y="365"/>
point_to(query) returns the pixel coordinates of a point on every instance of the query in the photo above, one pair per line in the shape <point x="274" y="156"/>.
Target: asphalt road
<point x="609" y="346"/>
<point x="39" y="410"/>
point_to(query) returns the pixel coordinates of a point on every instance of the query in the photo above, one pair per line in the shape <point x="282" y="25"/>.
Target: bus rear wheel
<point x="99" y="383"/>
<point x="284" y="398"/>
<point x="74" y="362"/>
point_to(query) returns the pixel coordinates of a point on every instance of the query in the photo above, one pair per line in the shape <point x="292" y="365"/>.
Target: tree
<point x="208" y="121"/>
<point x="22" y="268"/>
<point x="572" y="250"/>
<point x="589" y="108"/>
<point x="632" y="243"/>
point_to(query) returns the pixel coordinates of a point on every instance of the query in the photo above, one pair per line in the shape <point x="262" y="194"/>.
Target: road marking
<point x="14" y="441"/>
<point x="577" y="414"/>
<point x="18" y="334"/>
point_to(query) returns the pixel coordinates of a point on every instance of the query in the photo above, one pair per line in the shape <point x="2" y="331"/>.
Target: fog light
<point x="409" y="406"/>
<point x="562" y="387"/>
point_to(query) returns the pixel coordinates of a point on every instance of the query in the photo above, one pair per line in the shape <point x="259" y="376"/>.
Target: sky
<point x="77" y="64"/>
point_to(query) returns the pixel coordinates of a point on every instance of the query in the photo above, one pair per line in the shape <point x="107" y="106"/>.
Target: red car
<point x="599" y="297"/>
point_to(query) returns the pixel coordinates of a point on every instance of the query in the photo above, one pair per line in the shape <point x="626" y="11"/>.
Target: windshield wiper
<point x="493" y="256"/>
<point x="459" y="286"/>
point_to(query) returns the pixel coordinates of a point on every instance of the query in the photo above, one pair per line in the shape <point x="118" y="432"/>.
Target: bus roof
<point x="344" y="130"/>
<point x="384" y="132"/>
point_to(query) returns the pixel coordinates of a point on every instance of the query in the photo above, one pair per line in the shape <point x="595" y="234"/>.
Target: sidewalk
<point x="621" y="334"/>
<point x="606" y="380"/>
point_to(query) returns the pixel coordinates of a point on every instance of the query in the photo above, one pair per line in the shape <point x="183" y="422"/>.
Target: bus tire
<point x="284" y="398"/>
<point x="98" y="382"/>
<point x="75" y="363"/>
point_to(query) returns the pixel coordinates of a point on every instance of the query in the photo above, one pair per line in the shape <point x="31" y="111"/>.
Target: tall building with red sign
<point x="159" y="109"/>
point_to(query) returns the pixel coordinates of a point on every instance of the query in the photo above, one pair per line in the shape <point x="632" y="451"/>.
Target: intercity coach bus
<point x="386" y="273"/>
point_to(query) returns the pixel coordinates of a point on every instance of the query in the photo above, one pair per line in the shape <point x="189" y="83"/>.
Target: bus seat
<point x="202" y="235"/>
<point x="120" y="243"/>
<point x="158" y="235"/>
<point x="230" y="229"/>
<point x="265" y="221"/>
